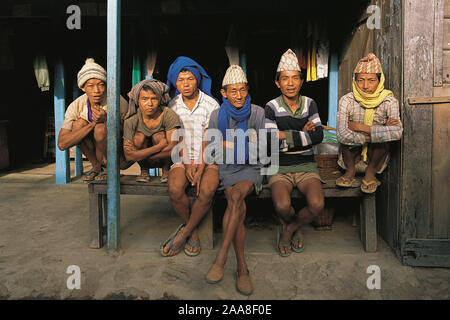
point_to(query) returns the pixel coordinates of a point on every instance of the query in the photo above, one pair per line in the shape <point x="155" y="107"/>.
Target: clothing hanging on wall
<point x="41" y="72"/>
<point x="231" y="47"/>
<point x="323" y="52"/>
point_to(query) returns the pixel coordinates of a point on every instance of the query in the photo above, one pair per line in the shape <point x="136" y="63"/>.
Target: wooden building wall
<point x="388" y="47"/>
<point x="425" y="156"/>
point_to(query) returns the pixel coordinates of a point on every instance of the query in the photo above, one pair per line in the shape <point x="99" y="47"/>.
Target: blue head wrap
<point x="185" y="63"/>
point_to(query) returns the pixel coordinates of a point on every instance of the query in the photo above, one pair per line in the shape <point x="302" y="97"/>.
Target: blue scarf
<point x="203" y="80"/>
<point x="227" y="111"/>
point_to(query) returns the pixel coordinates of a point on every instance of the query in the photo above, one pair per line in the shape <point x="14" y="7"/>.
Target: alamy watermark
<point x="374" y="21"/>
<point x="374" y="281"/>
<point x="219" y="151"/>
<point x="74" y="280"/>
<point x="74" y="20"/>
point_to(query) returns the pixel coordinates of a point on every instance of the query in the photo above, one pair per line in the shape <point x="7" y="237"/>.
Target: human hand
<point x="310" y="126"/>
<point x="353" y="126"/>
<point x="189" y="172"/>
<point x="228" y="144"/>
<point x="197" y="178"/>
<point x="392" y="122"/>
<point x="98" y="114"/>
<point x="129" y="146"/>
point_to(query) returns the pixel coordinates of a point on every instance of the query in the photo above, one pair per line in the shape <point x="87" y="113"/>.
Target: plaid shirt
<point x="351" y="110"/>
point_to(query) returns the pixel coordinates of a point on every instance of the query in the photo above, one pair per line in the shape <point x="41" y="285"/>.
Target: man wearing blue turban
<point x="190" y="89"/>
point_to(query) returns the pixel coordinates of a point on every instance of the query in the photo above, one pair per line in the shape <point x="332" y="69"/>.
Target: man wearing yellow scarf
<point x="367" y="119"/>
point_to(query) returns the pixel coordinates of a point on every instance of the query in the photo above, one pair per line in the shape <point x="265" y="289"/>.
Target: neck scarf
<point x="370" y="101"/>
<point x="158" y="88"/>
<point x="227" y="111"/>
<point x="203" y="80"/>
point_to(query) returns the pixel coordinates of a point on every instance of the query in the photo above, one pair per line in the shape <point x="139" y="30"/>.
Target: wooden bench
<point x="128" y="185"/>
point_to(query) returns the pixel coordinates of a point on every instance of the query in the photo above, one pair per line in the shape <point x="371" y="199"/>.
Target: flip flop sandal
<point x="102" y="176"/>
<point x="365" y="186"/>
<point x="283" y="244"/>
<point x="298" y="239"/>
<point x="193" y="245"/>
<point x="344" y="182"/>
<point x="171" y="239"/>
<point x="143" y="178"/>
<point x="164" y="178"/>
<point x="90" y="176"/>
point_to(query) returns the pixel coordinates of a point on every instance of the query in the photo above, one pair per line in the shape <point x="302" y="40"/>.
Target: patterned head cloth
<point x="90" y="70"/>
<point x="369" y="64"/>
<point x="234" y="75"/>
<point x="288" y="62"/>
<point x="159" y="88"/>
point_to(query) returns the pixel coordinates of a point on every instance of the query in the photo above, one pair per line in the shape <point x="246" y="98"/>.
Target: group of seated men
<point x="171" y="126"/>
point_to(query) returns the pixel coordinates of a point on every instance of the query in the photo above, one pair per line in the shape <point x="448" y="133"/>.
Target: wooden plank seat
<point x="128" y="185"/>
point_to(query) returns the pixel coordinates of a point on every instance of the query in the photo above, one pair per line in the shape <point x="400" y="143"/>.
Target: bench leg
<point x="205" y="230"/>
<point x="368" y="223"/>
<point x="96" y="219"/>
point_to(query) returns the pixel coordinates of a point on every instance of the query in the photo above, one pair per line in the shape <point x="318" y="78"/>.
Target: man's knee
<point x="176" y="191"/>
<point x="157" y="137"/>
<point x="235" y="198"/>
<point x="282" y="207"/>
<point x="100" y="132"/>
<point x="139" y="140"/>
<point x="316" y="205"/>
<point x="206" y="194"/>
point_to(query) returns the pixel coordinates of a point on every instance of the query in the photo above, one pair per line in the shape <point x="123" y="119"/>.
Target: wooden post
<point x="113" y="125"/>
<point x="368" y="223"/>
<point x="62" y="157"/>
<point x="95" y="218"/>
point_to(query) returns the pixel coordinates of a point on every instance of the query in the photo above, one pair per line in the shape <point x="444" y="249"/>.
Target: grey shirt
<point x="231" y="174"/>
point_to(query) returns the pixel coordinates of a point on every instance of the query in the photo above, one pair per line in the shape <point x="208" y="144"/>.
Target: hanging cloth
<point x="41" y="72"/>
<point x="231" y="47"/>
<point x="323" y="52"/>
<point x="136" y="72"/>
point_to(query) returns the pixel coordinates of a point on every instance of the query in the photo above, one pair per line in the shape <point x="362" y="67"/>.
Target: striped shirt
<point x="194" y="122"/>
<point x="351" y="110"/>
<point x="297" y="148"/>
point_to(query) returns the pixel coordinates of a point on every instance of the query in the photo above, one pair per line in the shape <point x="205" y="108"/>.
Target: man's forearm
<point x="138" y="155"/>
<point x="359" y="127"/>
<point x="71" y="138"/>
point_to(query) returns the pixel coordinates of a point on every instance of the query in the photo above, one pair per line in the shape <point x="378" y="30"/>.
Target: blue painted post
<point x="333" y="87"/>
<point x="78" y="155"/>
<point x="113" y="125"/>
<point x="62" y="157"/>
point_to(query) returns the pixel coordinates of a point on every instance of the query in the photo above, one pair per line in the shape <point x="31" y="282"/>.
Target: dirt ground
<point x="44" y="229"/>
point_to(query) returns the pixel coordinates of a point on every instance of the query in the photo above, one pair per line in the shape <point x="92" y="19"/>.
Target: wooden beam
<point x="438" y="39"/>
<point x="417" y="137"/>
<point x="428" y="100"/>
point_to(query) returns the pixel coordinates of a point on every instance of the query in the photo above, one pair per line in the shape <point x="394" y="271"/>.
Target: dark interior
<point x="197" y="29"/>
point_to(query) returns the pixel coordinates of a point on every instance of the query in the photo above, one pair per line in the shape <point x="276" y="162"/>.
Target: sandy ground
<point x="45" y="228"/>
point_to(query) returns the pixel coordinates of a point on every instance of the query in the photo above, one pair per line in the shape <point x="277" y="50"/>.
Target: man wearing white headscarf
<point x="242" y="175"/>
<point x="85" y="121"/>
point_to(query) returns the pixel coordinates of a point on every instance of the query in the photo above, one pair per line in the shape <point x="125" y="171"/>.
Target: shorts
<point x="181" y="165"/>
<point x="294" y="178"/>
